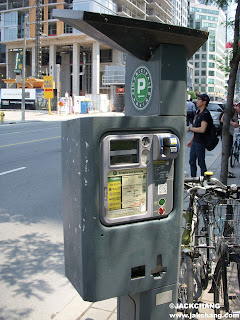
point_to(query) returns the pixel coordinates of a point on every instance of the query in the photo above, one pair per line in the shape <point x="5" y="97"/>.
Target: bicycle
<point x="201" y="238"/>
<point x="197" y="243"/>
<point x="226" y="278"/>
<point x="235" y="151"/>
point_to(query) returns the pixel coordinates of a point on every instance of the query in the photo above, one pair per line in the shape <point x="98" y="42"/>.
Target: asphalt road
<point x="32" y="281"/>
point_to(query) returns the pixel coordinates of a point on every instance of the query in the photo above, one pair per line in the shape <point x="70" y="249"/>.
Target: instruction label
<point x="127" y="192"/>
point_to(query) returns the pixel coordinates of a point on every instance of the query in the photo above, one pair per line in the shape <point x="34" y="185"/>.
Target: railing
<point x="161" y="6"/>
<point x="128" y="12"/>
<point x="113" y="75"/>
<point x="18" y="4"/>
<point x="158" y="15"/>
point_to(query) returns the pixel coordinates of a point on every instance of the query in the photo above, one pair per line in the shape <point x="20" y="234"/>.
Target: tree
<point x="234" y="63"/>
<point x="192" y="94"/>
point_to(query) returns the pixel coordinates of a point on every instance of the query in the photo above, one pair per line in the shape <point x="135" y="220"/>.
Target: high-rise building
<point x="180" y="12"/>
<point x="207" y="76"/>
<point x="53" y="45"/>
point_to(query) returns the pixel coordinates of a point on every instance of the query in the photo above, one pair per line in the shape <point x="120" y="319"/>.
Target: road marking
<point x="6" y="172"/>
<point x="14" y="144"/>
<point x="15" y="132"/>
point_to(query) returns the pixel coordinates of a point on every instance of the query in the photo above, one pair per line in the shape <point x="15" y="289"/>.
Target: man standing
<point x="191" y="110"/>
<point x="201" y="123"/>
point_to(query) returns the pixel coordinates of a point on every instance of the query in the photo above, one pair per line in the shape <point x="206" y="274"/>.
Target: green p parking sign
<point x="141" y="88"/>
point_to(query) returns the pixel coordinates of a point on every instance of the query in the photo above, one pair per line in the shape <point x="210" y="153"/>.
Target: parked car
<point x="216" y="109"/>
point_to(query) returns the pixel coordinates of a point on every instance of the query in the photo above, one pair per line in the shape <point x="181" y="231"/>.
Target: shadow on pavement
<point x="27" y="264"/>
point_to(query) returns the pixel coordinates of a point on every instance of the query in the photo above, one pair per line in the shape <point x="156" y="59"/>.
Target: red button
<point x="161" y="210"/>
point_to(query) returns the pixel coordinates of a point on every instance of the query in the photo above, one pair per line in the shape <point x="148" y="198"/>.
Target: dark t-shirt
<point x="199" y="117"/>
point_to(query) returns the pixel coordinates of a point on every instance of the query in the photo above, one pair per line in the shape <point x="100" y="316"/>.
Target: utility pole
<point x="24" y="68"/>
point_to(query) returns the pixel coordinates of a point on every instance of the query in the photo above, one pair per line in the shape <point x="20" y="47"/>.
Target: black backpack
<point x="211" y="137"/>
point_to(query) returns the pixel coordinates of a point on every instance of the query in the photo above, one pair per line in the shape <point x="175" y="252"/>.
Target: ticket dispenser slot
<point x="137" y="176"/>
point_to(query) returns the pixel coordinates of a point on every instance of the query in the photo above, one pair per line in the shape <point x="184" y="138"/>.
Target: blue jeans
<point x="197" y="152"/>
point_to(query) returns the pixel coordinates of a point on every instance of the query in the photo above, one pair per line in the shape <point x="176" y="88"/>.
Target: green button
<point x="161" y="202"/>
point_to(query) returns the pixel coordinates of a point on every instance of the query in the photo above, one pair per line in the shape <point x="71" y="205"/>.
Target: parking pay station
<point x="123" y="176"/>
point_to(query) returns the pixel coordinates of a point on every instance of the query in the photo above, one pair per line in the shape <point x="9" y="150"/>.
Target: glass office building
<point x="207" y="77"/>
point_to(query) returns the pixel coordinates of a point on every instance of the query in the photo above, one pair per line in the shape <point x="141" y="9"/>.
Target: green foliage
<point x="192" y="94"/>
<point x="223" y="64"/>
<point x="220" y="3"/>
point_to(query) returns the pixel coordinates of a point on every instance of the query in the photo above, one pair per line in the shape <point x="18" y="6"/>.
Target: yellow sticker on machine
<point x="127" y="192"/>
<point x="114" y="193"/>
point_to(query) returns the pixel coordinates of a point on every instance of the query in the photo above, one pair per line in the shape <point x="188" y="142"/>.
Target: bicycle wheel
<point x="238" y="152"/>
<point x="226" y="285"/>
<point x="234" y="155"/>
<point x="202" y="256"/>
<point x="185" y="288"/>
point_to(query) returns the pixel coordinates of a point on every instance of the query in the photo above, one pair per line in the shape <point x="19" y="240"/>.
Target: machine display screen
<point x="127" y="193"/>
<point x="124" y="158"/>
<point x="123" y="144"/>
<point x="124" y="151"/>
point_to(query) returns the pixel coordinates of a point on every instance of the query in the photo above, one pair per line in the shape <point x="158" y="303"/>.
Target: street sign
<point x="48" y="87"/>
<point x="18" y="62"/>
<point x="141" y="88"/>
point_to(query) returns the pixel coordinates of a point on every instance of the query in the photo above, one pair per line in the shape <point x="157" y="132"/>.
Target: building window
<point x="203" y="89"/>
<point x="197" y="25"/>
<point x="203" y="73"/>
<point x="204" y="56"/>
<point x="211" y="65"/>
<point x="209" y="25"/>
<point x="197" y="56"/>
<point x="203" y="64"/>
<point x="211" y="73"/>
<point x="211" y="89"/>
<point x="212" y="57"/>
<point x="210" y="81"/>
<point x="2" y="53"/>
<point x="208" y="11"/>
<point x="203" y="81"/>
<point x="68" y="28"/>
<point x="106" y="55"/>
<point x="204" y="47"/>
<point x="203" y="17"/>
<point x="45" y="57"/>
<point x="196" y="72"/>
<point x="50" y="11"/>
<point x="197" y="64"/>
<point x="212" y="47"/>
<point x="52" y="29"/>
<point x="196" y="81"/>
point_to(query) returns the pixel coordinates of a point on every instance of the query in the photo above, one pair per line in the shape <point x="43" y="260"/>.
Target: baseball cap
<point x="204" y="97"/>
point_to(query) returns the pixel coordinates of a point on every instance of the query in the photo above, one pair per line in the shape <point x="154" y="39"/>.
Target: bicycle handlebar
<point x="194" y="180"/>
<point x="218" y="182"/>
<point x="212" y="184"/>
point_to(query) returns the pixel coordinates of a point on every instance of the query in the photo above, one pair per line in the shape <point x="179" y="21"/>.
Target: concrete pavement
<point x="78" y="309"/>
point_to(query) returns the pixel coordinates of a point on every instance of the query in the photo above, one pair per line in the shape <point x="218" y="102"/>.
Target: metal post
<point x="58" y="86"/>
<point x="24" y="69"/>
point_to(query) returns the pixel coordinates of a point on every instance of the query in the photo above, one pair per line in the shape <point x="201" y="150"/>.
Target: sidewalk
<point x="215" y="166"/>
<point x="15" y="116"/>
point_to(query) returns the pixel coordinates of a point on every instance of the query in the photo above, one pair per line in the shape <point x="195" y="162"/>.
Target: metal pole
<point x="58" y="86"/>
<point x="24" y="69"/>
